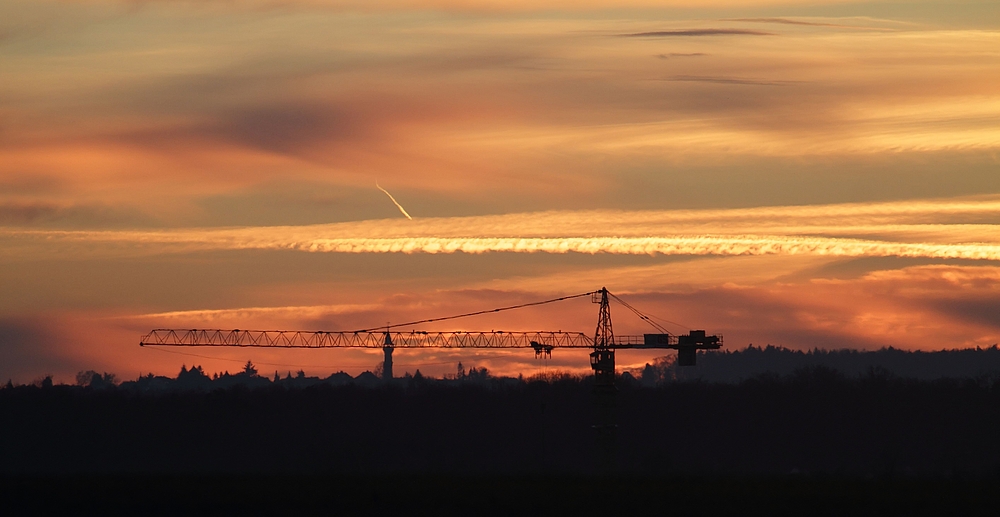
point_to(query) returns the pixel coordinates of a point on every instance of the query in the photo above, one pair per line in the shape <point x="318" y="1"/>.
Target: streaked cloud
<point x="29" y="348"/>
<point x="697" y="32"/>
<point x="858" y="22"/>
<point x="43" y="214"/>
<point x="460" y="6"/>
<point x="888" y="229"/>
<point x="681" y="54"/>
<point x="787" y="21"/>
<point x="255" y="313"/>
<point x="669" y="245"/>
<point x="725" y="80"/>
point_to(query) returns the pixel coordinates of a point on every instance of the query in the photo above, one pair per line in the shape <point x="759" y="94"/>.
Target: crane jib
<point x="415" y="339"/>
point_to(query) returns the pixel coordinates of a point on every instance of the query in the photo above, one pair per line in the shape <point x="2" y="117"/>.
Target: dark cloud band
<point x="727" y="80"/>
<point x="697" y="32"/>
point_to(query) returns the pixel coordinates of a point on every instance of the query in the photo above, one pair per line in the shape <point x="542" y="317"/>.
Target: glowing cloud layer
<point x="700" y="245"/>
<point x="851" y="230"/>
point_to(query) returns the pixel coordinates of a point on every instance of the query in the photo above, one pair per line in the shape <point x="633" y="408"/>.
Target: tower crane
<point x="603" y="344"/>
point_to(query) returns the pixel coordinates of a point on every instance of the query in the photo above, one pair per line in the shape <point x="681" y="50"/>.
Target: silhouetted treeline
<point x="196" y="379"/>
<point x="738" y="365"/>
<point x="713" y="366"/>
<point x="814" y="421"/>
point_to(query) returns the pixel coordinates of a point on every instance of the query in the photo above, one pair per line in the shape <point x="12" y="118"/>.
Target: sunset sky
<point x="803" y="174"/>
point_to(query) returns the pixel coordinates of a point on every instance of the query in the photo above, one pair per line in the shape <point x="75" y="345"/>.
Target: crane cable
<point x="644" y="317"/>
<point x="488" y="311"/>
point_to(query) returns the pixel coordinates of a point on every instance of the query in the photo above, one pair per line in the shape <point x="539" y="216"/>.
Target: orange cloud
<point x="919" y="307"/>
<point x="852" y="230"/>
<point x="453" y="107"/>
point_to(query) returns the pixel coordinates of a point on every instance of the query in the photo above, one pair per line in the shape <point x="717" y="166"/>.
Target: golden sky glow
<point x="796" y="173"/>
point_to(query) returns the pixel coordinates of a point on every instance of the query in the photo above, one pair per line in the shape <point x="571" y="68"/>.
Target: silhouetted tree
<point x="249" y="369"/>
<point x="83" y="378"/>
<point x="193" y="379"/>
<point x="476" y="374"/>
<point x="649" y="376"/>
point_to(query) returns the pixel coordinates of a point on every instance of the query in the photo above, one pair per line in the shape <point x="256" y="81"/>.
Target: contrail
<point x="399" y="206"/>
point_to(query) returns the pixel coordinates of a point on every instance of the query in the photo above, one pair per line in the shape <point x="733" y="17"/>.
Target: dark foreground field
<point x="813" y="439"/>
<point x="493" y="495"/>
<point x="812" y="422"/>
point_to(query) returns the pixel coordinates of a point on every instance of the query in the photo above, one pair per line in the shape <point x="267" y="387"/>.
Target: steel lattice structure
<point x="324" y="339"/>
<point x="413" y="339"/>
<point x="604" y="343"/>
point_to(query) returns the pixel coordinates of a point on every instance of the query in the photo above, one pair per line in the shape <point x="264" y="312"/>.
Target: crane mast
<point x="602" y="359"/>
